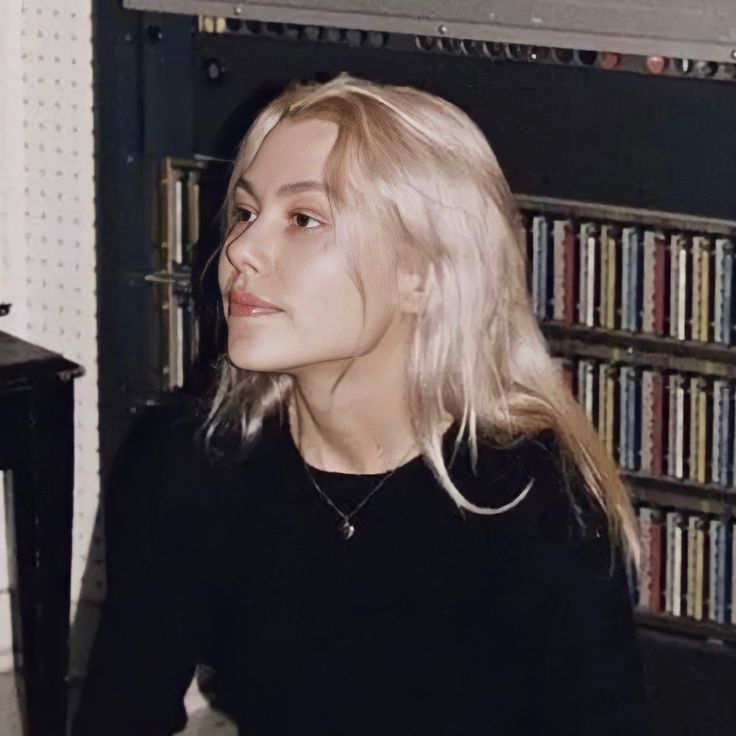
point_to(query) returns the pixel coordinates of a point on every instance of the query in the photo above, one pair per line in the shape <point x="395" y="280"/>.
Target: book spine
<point x="647" y="321"/>
<point x="540" y="241"/>
<point x="674" y="284"/>
<point x="696" y="289"/>
<point x="611" y="412"/>
<point x="602" y="408"/>
<point x="660" y="284"/>
<point x="724" y="436"/>
<point x="558" y="246"/>
<point x="624" y="415"/>
<point x="719" y="290"/>
<point x="593" y="290"/>
<point x="657" y="562"/>
<point x="724" y="571"/>
<point x="677" y="567"/>
<point x="671" y="424"/>
<point x="706" y="292"/>
<point x="727" y="312"/>
<point x="669" y="560"/>
<point x="691" y="566"/>
<point x="694" y="450"/>
<point x="645" y="575"/>
<point x="658" y="422"/>
<point x="680" y="427"/>
<point x="712" y="568"/>
<point x="647" y="420"/>
<point x="682" y="288"/>
<point x="703" y="435"/>
<point x="571" y="281"/>
<point x="699" y="568"/>
<point x="716" y="444"/>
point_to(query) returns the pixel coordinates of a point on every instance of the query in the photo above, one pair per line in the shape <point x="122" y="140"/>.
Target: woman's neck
<point x="351" y="442"/>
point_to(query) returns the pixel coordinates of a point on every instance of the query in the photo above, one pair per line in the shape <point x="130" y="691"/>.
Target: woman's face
<point x="283" y="250"/>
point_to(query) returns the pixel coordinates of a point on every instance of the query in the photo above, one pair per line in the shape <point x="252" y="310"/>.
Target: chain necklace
<point x="347" y="529"/>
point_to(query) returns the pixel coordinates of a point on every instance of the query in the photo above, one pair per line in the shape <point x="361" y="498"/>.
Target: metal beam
<point x="704" y="30"/>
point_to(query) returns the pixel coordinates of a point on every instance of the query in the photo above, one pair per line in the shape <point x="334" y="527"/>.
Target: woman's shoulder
<point x="158" y="419"/>
<point x="161" y="461"/>
<point x="558" y="507"/>
<point x="162" y="433"/>
<point x="558" y="527"/>
<point x="502" y="466"/>
<point x="177" y="432"/>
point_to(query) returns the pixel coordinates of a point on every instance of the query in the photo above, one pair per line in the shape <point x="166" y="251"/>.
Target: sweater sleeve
<point x="587" y="673"/>
<point x="160" y="512"/>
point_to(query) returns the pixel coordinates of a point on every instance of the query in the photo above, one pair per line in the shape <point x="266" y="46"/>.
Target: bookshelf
<point x="707" y="498"/>
<point x="639" y="308"/>
<point x="687" y="627"/>
<point x="687" y="356"/>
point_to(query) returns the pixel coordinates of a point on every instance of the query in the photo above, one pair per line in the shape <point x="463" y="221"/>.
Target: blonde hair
<point x="413" y="163"/>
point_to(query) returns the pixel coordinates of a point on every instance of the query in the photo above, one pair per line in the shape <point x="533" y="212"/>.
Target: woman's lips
<point x="248" y="310"/>
<point x="247" y="297"/>
<point x="247" y="304"/>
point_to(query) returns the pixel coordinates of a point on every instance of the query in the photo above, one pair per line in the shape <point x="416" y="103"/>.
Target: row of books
<point x="634" y="278"/>
<point x="661" y="423"/>
<point x="688" y="565"/>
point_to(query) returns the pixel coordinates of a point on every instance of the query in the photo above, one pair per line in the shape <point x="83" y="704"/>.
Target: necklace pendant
<point x="346" y="529"/>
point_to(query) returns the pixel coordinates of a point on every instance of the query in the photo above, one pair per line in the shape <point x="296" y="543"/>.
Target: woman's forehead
<point x="302" y="146"/>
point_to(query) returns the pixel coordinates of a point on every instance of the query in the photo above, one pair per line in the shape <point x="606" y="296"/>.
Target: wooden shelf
<point x="645" y="218"/>
<point x="682" y="355"/>
<point x="687" y="356"/>
<point x="665" y="491"/>
<point x="708" y="630"/>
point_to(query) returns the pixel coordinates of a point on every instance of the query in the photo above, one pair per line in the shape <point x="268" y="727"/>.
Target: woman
<point x="416" y="529"/>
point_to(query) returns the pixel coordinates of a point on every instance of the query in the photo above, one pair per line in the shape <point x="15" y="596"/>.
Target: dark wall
<point x="569" y="132"/>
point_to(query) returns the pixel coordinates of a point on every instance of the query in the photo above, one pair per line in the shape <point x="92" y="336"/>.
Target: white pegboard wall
<point x="48" y="273"/>
<point x="47" y="218"/>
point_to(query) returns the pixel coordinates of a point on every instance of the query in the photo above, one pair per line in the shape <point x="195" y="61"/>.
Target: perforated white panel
<point x="47" y="272"/>
<point x="47" y="250"/>
<point x="12" y="265"/>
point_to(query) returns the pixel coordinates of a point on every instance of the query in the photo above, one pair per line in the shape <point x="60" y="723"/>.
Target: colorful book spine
<point x="688" y="566"/>
<point x="540" y="242"/>
<point x="657" y="562"/>
<point x="559" y="296"/>
<point x="706" y="294"/>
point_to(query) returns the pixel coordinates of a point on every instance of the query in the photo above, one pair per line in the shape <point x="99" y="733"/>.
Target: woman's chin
<point x="249" y="360"/>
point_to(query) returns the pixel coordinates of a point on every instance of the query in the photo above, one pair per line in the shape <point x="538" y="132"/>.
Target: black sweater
<point x="427" y="621"/>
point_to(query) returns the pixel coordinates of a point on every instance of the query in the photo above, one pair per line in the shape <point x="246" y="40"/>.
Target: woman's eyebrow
<point x="285" y="190"/>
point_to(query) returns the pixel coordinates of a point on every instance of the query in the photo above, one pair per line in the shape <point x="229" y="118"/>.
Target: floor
<point x="203" y="721"/>
<point x="9" y="716"/>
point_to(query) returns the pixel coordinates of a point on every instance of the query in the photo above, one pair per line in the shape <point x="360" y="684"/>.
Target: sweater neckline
<point x="358" y="478"/>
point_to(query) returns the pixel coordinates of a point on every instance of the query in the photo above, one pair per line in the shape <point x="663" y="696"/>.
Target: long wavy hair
<point x="414" y="165"/>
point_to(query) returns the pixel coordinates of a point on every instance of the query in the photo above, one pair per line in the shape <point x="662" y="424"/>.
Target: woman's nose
<point x="248" y="248"/>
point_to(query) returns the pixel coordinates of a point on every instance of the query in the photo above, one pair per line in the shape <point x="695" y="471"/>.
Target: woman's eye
<point x="242" y="214"/>
<point x="301" y="217"/>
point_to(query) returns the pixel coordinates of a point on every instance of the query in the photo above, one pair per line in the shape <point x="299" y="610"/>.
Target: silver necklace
<point x="347" y="529"/>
